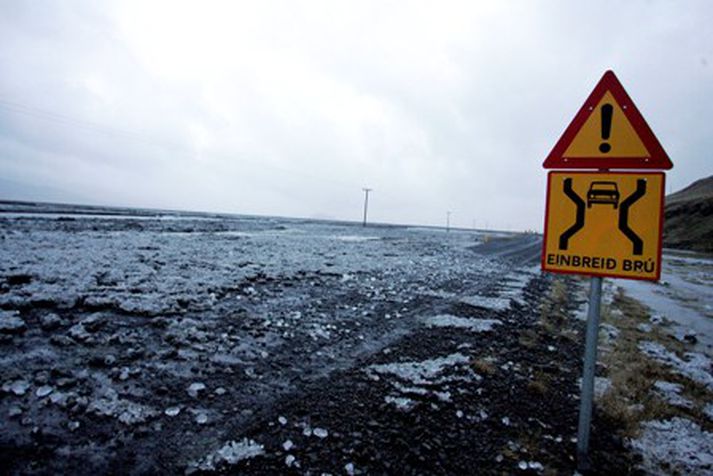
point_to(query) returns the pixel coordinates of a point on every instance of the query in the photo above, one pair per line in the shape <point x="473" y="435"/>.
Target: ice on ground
<point x="195" y="388"/>
<point x="439" y="293"/>
<point x="516" y="282"/>
<point x="355" y="238"/>
<point x="601" y="386"/>
<point x="11" y="323"/>
<point x="200" y="416"/>
<point x="494" y="303"/>
<point x="43" y="391"/>
<point x="671" y="393"/>
<point x="443" y="396"/>
<point x="421" y="373"/>
<point x="675" y="446"/>
<point x="708" y="411"/>
<point x="472" y="324"/>
<point x="608" y="333"/>
<point x="79" y="333"/>
<point x="408" y="389"/>
<point x="402" y="403"/>
<point x="422" y="377"/>
<point x="581" y="312"/>
<point x="18" y="387"/>
<point x="127" y="412"/>
<point x="229" y="297"/>
<point x="685" y="335"/>
<point x="231" y="453"/>
<point x="172" y="411"/>
<point x="696" y="366"/>
<point x="683" y="295"/>
<point x="609" y="291"/>
<point x="50" y="321"/>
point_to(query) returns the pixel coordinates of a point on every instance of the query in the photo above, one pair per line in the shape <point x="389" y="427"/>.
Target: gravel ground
<point x="174" y="343"/>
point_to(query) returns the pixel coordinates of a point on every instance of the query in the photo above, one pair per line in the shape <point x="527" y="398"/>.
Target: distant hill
<point x="689" y="217"/>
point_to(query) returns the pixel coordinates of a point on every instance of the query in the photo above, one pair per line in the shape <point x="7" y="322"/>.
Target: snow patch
<point x="694" y="365"/>
<point x="11" y="322"/>
<point x="675" y="446"/>
<point x="516" y="284"/>
<point x="708" y="411"/>
<point x="127" y="412"/>
<point x="601" y="386"/>
<point x="18" y="387"/>
<point x="608" y="333"/>
<point x="475" y="325"/>
<point x="231" y="453"/>
<point x="423" y="377"/>
<point x="494" y="303"/>
<point x="671" y="393"/>
<point x="355" y="238"/>
<point x="420" y="373"/>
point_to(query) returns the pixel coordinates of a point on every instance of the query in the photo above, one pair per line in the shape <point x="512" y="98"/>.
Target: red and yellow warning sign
<point x="608" y="132"/>
<point x="604" y="224"/>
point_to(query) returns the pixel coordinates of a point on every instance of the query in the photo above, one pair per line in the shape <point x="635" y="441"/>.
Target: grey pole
<point x="448" y="221"/>
<point x="590" y="362"/>
<point x="366" y="202"/>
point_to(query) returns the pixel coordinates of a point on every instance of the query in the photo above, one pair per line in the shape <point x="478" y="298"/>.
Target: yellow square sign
<point x="604" y="224"/>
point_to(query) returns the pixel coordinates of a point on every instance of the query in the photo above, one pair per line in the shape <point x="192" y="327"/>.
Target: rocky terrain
<point x="689" y="217"/>
<point x="173" y="344"/>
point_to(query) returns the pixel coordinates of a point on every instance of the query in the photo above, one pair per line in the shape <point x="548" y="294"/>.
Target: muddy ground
<point x="140" y="343"/>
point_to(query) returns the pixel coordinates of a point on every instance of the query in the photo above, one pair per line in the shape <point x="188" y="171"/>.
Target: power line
<point x="86" y="125"/>
<point x="126" y="134"/>
<point x="80" y="124"/>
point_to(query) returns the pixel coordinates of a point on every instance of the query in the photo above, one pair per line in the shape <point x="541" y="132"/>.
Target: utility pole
<point x="366" y="202"/>
<point x="448" y="221"/>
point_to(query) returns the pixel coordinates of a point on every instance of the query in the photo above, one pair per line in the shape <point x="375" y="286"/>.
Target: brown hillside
<point x="689" y="217"/>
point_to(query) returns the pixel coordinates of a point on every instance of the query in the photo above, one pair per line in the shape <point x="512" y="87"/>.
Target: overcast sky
<point x="290" y="108"/>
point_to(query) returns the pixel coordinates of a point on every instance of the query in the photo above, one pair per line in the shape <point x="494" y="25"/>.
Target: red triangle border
<point x="658" y="158"/>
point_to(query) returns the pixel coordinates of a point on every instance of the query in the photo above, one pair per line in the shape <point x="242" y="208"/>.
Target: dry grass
<point x="540" y="383"/>
<point x="553" y="311"/>
<point x="529" y="339"/>
<point x="485" y="366"/>
<point x="554" y="316"/>
<point x="553" y="321"/>
<point x="631" y="399"/>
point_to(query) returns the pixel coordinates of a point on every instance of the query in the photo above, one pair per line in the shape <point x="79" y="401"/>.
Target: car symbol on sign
<point x="603" y="192"/>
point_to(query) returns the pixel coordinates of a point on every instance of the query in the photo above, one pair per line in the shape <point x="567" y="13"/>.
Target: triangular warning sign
<point x="608" y="132"/>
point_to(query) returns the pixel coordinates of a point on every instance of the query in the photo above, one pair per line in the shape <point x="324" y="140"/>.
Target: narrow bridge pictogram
<point x="623" y="222"/>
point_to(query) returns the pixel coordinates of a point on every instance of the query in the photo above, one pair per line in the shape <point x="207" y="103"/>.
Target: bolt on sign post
<point x="604" y="210"/>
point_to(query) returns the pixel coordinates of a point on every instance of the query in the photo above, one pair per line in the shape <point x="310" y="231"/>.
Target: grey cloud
<point x="282" y="108"/>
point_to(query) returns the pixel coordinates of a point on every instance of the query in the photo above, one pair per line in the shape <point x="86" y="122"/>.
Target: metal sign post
<point x="604" y="224"/>
<point x="590" y="362"/>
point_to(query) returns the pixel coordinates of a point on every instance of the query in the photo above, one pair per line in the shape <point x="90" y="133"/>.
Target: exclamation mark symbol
<point x="607" y="112"/>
